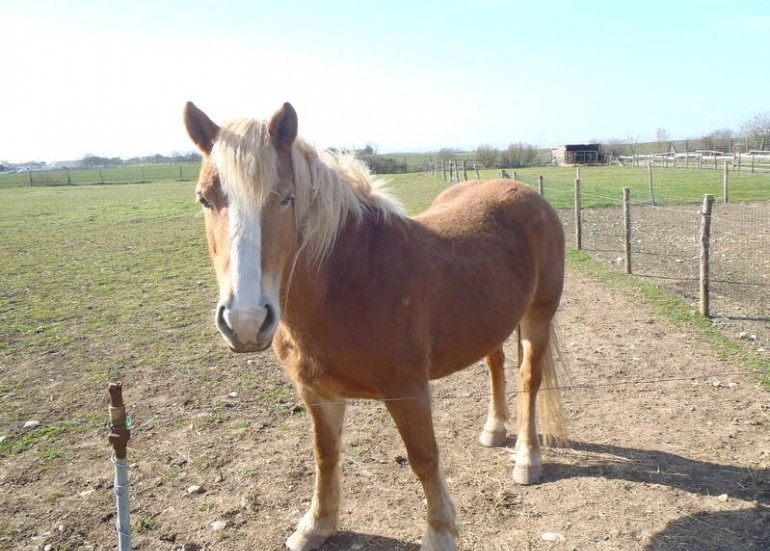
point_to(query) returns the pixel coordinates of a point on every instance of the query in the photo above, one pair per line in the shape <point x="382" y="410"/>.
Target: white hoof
<point x="492" y="439"/>
<point x="438" y="541"/>
<point x="527" y="474"/>
<point x="300" y="541"/>
<point x="309" y="535"/>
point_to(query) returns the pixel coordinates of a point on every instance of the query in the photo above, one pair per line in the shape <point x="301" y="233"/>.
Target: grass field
<point x="86" y="268"/>
<point x="115" y="175"/>
<point x="113" y="282"/>
<point x="602" y="186"/>
<point x="113" y="279"/>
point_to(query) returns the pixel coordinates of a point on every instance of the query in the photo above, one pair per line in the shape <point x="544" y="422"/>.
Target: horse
<point x="361" y="301"/>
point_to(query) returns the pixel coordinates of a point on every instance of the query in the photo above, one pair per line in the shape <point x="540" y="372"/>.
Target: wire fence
<point x="126" y="174"/>
<point x="664" y="246"/>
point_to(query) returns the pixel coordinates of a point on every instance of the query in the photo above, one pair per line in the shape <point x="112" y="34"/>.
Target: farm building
<point x="579" y="154"/>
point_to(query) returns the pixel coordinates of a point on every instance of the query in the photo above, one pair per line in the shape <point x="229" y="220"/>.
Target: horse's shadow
<point x="747" y="528"/>
<point x="345" y="541"/>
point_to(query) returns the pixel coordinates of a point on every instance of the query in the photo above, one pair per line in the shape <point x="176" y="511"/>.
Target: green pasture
<point x="101" y="282"/>
<point x="125" y="174"/>
<point x="601" y="186"/>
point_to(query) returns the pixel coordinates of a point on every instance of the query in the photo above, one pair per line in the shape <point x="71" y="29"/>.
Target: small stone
<point x="31" y="424"/>
<point x="219" y="525"/>
<point x="194" y="489"/>
<point x="233" y="395"/>
<point x="48" y="547"/>
<point x="723" y="497"/>
<point x="2" y="439"/>
<point x="552" y="536"/>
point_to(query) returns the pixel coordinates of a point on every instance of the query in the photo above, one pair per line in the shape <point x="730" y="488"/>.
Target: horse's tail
<point x="550" y="413"/>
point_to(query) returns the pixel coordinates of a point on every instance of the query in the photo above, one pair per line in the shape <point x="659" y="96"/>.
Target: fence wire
<point x="665" y="245"/>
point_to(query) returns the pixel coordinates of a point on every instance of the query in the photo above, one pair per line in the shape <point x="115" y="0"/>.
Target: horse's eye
<point x="286" y="201"/>
<point x="202" y="200"/>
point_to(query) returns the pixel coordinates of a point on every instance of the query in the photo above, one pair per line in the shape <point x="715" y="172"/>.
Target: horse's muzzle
<point x="244" y="332"/>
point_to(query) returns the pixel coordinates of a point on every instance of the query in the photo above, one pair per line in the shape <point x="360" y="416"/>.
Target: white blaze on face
<point x="245" y="306"/>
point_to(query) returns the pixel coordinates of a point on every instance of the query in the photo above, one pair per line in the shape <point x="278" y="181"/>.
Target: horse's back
<point x="497" y="213"/>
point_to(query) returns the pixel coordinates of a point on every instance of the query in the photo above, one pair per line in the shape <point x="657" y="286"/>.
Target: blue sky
<point x="110" y="78"/>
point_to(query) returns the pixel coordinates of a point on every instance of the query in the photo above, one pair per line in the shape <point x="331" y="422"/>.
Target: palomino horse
<point x="360" y="301"/>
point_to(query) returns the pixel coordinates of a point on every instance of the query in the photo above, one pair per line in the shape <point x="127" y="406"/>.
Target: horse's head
<point x="246" y="188"/>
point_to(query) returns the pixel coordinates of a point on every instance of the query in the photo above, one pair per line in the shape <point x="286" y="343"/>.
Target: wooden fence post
<point x="578" y="220"/>
<point x="476" y="168"/>
<point x="649" y="180"/>
<point x="705" y="238"/>
<point x="540" y="185"/>
<point x="627" y="226"/>
<point x="465" y="172"/>
<point x="725" y="191"/>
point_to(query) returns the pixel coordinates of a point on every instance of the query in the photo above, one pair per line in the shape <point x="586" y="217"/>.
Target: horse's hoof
<point x="527" y="474"/>
<point x="492" y="439"/>
<point x="302" y="541"/>
<point x="438" y="541"/>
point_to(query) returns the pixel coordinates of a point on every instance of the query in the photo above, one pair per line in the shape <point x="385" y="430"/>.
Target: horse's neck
<point x="315" y="288"/>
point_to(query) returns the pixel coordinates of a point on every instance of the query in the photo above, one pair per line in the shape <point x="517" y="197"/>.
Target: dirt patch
<point x="670" y="450"/>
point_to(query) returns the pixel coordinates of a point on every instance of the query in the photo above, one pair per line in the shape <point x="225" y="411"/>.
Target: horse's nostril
<point x="222" y="324"/>
<point x="269" y="318"/>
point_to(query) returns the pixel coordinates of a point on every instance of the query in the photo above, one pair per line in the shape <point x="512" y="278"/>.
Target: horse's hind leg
<point x="494" y="429"/>
<point x="414" y="422"/>
<point x="327" y="414"/>
<point x="535" y="336"/>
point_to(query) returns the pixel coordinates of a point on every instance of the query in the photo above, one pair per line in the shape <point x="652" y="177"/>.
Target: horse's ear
<point x="283" y="126"/>
<point x="201" y="129"/>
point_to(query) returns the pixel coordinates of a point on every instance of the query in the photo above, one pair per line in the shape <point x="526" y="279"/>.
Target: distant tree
<point x="519" y="155"/>
<point x="380" y="164"/>
<point x="487" y="156"/>
<point x="662" y="137"/>
<point x="758" y="128"/>
<point x="720" y="134"/>
<point x="93" y="161"/>
<point x="718" y="140"/>
<point x="446" y="153"/>
<point x="613" y="147"/>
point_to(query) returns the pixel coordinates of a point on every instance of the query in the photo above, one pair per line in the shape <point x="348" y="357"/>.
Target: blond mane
<point x="329" y="187"/>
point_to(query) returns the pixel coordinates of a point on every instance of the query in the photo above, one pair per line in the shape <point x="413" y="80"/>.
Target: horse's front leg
<point x="327" y="414"/>
<point x="411" y="411"/>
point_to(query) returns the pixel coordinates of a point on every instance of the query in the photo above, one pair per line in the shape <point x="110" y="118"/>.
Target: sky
<point x="111" y="78"/>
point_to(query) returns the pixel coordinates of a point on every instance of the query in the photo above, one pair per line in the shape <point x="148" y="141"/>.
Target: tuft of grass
<point x="144" y="524"/>
<point x="672" y="309"/>
<point x="16" y="445"/>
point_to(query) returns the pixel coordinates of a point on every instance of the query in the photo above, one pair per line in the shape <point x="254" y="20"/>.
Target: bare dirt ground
<point x="670" y="450"/>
